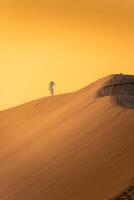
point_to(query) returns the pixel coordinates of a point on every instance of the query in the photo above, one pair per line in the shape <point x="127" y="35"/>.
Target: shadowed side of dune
<point x="121" y="88"/>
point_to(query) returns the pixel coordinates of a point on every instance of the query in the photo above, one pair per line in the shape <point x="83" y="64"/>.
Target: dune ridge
<point x="121" y="88"/>
<point x="75" y="146"/>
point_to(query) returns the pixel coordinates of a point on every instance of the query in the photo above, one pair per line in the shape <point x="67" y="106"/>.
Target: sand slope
<point x="68" y="147"/>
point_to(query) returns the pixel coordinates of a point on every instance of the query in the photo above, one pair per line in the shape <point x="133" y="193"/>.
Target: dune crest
<point x="121" y="88"/>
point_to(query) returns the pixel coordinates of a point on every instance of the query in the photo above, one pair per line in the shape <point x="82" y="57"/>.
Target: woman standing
<point x="52" y="87"/>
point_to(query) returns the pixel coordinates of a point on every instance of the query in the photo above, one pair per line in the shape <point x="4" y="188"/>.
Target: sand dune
<point x="76" y="146"/>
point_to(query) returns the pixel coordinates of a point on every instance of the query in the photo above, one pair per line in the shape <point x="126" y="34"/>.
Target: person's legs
<point x="52" y="92"/>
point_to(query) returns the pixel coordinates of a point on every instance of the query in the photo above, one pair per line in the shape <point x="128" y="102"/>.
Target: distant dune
<point x="76" y="146"/>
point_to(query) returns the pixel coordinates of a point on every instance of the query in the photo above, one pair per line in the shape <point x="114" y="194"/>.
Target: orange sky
<point x="72" y="42"/>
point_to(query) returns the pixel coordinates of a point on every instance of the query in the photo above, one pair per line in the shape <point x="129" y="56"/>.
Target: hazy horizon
<point x="71" y="42"/>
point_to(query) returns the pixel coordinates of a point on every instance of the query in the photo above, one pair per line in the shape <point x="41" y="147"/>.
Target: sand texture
<point x="75" y="146"/>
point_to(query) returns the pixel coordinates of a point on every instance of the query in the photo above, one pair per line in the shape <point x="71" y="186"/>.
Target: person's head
<point x="52" y="82"/>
